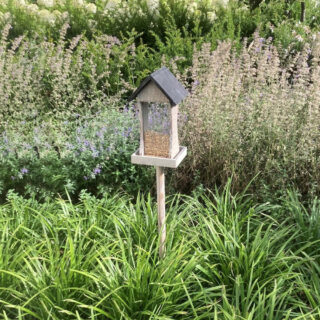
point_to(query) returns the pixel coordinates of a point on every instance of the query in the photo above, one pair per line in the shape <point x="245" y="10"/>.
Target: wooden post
<point x="161" y="210"/>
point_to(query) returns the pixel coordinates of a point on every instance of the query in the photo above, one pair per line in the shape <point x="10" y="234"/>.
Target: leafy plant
<point x="91" y="152"/>
<point x="253" y="114"/>
<point x="226" y="258"/>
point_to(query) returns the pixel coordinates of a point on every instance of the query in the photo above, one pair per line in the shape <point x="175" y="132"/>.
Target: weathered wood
<point x="152" y="93"/>
<point x="174" y="139"/>
<point x="160" y="87"/>
<point x="143" y="114"/>
<point x="136" y="158"/>
<point x="161" y="209"/>
<point x="141" y="147"/>
<point x="167" y="83"/>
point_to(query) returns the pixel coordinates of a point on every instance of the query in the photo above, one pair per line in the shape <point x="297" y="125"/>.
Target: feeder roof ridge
<point x="167" y="83"/>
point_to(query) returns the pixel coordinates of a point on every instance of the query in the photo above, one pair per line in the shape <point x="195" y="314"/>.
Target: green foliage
<point x="252" y="114"/>
<point x="226" y="258"/>
<point x="213" y="20"/>
<point x="90" y="153"/>
<point x="52" y="74"/>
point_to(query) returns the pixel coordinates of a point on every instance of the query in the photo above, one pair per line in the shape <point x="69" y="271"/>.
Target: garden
<point x="78" y="220"/>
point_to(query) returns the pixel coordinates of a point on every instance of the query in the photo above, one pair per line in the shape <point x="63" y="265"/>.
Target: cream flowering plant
<point x="37" y="16"/>
<point x="113" y="16"/>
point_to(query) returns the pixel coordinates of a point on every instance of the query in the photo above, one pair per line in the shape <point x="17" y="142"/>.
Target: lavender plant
<point x="91" y="152"/>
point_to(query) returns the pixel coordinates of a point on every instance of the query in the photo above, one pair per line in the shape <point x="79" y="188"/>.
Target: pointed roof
<point x="167" y="83"/>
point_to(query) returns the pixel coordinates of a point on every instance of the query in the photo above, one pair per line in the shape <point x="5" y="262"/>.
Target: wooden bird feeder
<point x="158" y="97"/>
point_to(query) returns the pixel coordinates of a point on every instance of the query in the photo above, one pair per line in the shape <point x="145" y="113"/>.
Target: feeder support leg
<point x="161" y="210"/>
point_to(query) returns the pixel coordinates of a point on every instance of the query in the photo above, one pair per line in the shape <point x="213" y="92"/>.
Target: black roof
<point x="167" y="83"/>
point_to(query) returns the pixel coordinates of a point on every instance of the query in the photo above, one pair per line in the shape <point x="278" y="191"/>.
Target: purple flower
<point x="97" y="170"/>
<point x="24" y="170"/>
<point x="85" y="178"/>
<point x="100" y="134"/>
<point x="12" y="177"/>
<point x="95" y="153"/>
<point x="70" y="146"/>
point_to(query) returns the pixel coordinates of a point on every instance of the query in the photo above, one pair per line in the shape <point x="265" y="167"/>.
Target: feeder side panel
<point x="151" y="93"/>
<point x="143" y="115"/>
<point x="174" y="138"/>
<point x="145" y="122"/>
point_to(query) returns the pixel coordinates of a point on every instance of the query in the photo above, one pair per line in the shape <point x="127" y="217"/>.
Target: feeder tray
<point x="159" y="161"/>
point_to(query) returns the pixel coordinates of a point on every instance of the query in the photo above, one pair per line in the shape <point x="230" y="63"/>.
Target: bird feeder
<point x="158" y="98"/>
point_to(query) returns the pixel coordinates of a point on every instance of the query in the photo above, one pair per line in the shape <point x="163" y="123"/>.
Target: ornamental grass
<point x="227" y="258"/>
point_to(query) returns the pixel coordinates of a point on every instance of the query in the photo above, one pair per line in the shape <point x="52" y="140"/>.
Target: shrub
<point x="59" y="80"/>
<point x="93" y="152"/>
<point x="250" y="115"/>
<point x="213" y="20"/>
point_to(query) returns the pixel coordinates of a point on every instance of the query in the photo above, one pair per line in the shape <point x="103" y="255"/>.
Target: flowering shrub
<point x="110" y="16"/>
<point x="58" y="80"/>
<point x="251" y="115"/>
<point x="151" y="19"/>
<point x="90" y="152"/>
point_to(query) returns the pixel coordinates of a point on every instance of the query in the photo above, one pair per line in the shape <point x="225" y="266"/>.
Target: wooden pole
<point x="161" y="210"/>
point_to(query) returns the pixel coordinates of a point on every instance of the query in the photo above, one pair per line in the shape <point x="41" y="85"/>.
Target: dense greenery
<point x="252" y="69"/>
<point x="252" y="112"/>
<point x="49" y="158"/>
<point x="215" y="20"/>
<point x="226" y="259"/>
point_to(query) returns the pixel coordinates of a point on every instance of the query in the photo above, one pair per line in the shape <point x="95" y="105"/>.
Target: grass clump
<point x="226" y="259"/>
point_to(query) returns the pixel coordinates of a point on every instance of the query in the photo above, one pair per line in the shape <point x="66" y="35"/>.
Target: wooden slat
<point x="174" y="139"/>
<point x="161" y="210"/>
<point x="151" y="93"/>
<point x="159" y="162"/>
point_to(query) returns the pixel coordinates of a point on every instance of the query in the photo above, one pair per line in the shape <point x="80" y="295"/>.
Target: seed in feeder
<point x="156" y="144"/>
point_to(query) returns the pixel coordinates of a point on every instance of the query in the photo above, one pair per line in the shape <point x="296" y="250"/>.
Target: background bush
<point x="252" y="116"/>
<point x="252" y="110"/>
<point x="195" y="19"/>
<point x="43" y="159"/>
